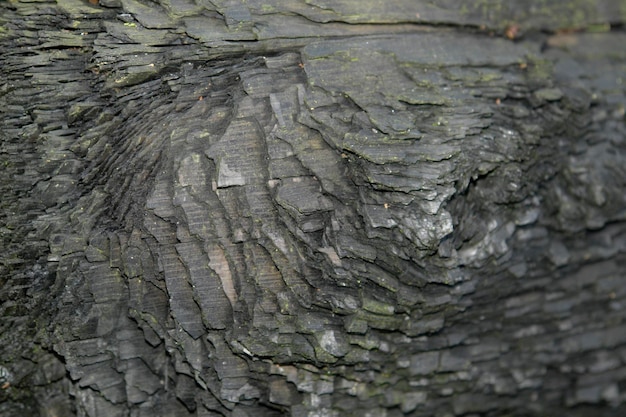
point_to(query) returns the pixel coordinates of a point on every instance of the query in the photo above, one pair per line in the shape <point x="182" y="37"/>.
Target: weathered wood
<point x="312" y="208"/>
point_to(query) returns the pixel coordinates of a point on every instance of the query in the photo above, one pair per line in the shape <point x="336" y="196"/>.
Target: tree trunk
<point x="321" y="208"/>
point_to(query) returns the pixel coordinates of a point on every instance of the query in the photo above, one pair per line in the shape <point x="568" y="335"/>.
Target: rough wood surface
<point x="312" y="208"/>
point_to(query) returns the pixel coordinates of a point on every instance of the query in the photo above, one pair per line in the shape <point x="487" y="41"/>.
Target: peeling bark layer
<point x="319" y="208"/>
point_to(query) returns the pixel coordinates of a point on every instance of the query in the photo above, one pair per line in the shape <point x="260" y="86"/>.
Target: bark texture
<point x="312" y="208"/>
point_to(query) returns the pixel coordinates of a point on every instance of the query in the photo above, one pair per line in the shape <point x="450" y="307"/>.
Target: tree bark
<point x="321" y="208"/>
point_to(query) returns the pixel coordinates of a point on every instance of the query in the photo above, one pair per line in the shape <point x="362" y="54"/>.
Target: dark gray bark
<point x="320" y="208"/>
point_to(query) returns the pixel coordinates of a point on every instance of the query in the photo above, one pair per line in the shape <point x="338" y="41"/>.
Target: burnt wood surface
<point x="313" y="208"/>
